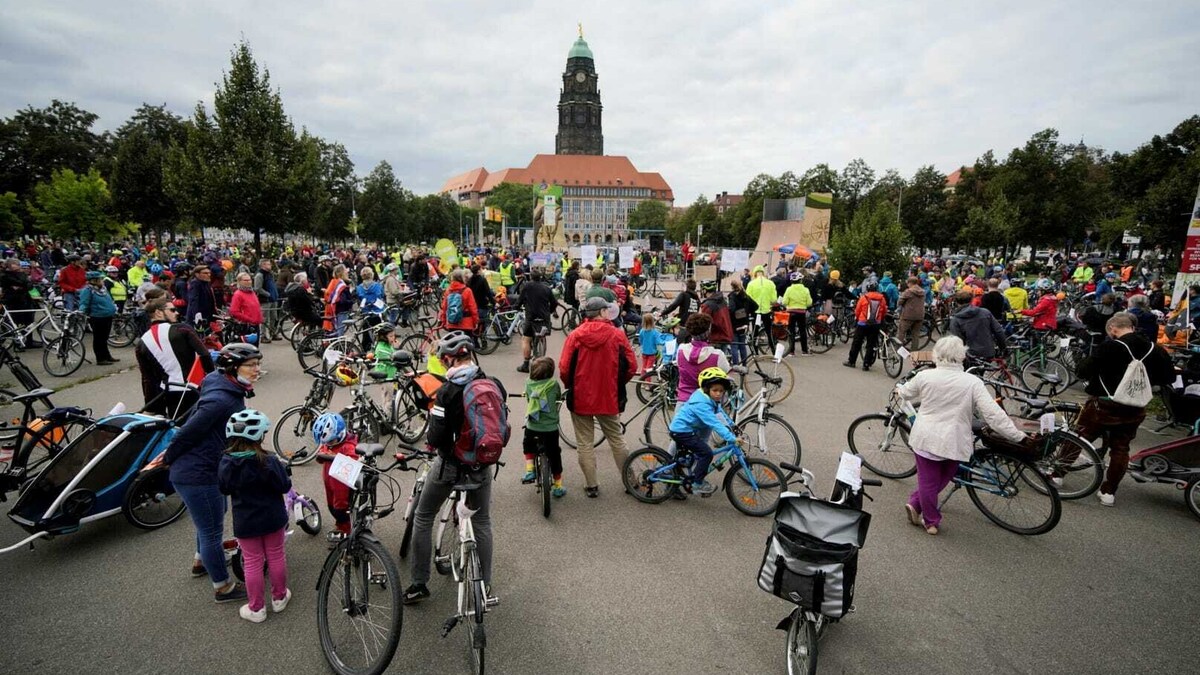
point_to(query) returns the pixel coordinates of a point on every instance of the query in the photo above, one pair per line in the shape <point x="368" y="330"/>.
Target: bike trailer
<point x="89" y="479"/>
<point x="811" y="556"/>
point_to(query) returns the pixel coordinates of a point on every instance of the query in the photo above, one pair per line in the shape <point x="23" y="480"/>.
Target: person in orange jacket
<point x="869" y="314"/>
<point x="1045" y="313"/>
<point x="468" y="308"/>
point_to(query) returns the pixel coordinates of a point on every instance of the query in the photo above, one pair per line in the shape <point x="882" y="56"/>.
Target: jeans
<point x="70" y="300"/>
<point x="339" y="323"/>
<point x="696" y="444"/>
<point x="1120" y="424"/>
<point x="206" y="506"/>
<point x="738" y="351"/>
<point x="585" y="438"/>
<point x="257" y="550"/>
<point x="933" y="475"/>
<point x="442" y="477"/>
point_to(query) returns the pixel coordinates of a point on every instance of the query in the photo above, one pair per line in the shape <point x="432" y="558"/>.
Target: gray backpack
<point x="811" y="558"/>
<point x="1134" y="389"/>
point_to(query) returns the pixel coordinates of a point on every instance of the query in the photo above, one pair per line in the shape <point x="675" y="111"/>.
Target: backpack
<point x="1134" y="388"/>
<point x="485" y="429"/>
<point x="454" y="308"/>
<point x="872" y="312"/>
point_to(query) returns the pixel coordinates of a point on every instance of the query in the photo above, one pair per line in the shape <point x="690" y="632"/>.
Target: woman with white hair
<point x="941" y="437"/>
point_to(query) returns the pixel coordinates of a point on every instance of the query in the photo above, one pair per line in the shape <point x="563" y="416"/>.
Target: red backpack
<point x="485" y="429"/>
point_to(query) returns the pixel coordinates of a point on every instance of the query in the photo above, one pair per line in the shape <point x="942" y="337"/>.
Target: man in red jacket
<point x="595" y="364"/>
<point x="1045" y="313"/>
<point x="466" y="302"/>
<point x="71" y="279"/>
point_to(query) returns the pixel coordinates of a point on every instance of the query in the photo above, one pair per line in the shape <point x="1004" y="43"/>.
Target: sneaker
<point x="932" y="529"/>
<point x="1057" y="480"/>
<point x="703" y="489"/>
<point x="279" y="605"/>
<point x="913" y="516"/>
<point x="414" y="594"/>
<point x="236" y="592"/>
<point x="253" y="616"/>
<point x="558" y="491"/>
<point x="523" y="368"/>
<point x="1106" y="499"/>
<point x="848" y="364"/>
<point x="679" y="495"/>
<point x="198" y="569"/>
<point x="529" y="477"/>
<point x="592" y="492"/>
<point x="866" y="368"/>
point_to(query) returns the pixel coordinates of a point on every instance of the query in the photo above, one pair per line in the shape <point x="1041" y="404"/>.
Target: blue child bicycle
<point x="753" y="485"/>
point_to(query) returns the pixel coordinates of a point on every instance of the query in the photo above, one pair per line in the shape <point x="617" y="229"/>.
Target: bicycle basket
<point x="811" y="556"/>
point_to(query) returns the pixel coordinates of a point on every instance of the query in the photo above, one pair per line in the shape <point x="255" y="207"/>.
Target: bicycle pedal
<point x="379" y="580"/>
<point x="449" y="625"/>
<point x="491" y="601"/>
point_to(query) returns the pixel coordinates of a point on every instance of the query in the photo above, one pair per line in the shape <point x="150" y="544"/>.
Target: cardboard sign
<point x="345" y="470"/>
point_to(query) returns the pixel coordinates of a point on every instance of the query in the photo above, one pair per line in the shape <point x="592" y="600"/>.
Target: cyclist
<point x="168" y="354"/>
<point x="697" y="419"/>
<point x="485" y="300"/>
<point x="696" y="356"/>
<point x="458" y="311"/>
<point x="976" y="327"/>
<point x="456" y="351"/>
<point x="797" y="299"/>
<point x="541" y="422"/>
<point x="869" y="313"/>
<point x="538" y="301"/>
<point x="762" y="291"/>
<point x="334" y="438"/>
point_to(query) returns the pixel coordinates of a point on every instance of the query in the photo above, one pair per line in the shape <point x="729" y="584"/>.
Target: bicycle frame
<point x="666" y="473"/>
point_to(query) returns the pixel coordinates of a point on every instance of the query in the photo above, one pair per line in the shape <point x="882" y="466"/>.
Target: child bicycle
<point x="653" y="475"/>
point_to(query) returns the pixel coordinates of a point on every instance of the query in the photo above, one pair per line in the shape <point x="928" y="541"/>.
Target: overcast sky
<point x="707" y="93"/>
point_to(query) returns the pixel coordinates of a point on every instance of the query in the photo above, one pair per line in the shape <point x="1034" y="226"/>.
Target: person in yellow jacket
<point x="1083" y="273"/>
<point x="116" y="288"/>
<point x="762" y="291"/>
<point x="507" y="280"/>
<point x="137" y="274"/>
<point x="1018" y="298"/>
<point x="797" y="299"/>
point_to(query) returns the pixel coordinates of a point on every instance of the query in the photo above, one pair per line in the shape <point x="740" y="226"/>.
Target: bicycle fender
<point x="786" y="624"/>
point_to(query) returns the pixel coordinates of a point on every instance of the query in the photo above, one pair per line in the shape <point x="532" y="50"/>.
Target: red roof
<point x="471" y="181"/>
<point x="569" y="170"/>
<point x="953" y="179"/>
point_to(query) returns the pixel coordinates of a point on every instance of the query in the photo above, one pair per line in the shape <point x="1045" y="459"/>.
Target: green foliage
<point x="650" y="214"/>
<point x="136" y="180"/>
<point x="923" y="209"/>
<point x="338" y="194"/>
<point x="516" y="200"/>
<point x="874" y="238"/>
<point x="1159" y="181"/>
<point x="10" y="221"/>
<point x="437" y="217"/>
<point x="686" y="226"/>
<point x="386" y="209"/>
<point x="76" y="206"/>
<point x="993" y="226"/>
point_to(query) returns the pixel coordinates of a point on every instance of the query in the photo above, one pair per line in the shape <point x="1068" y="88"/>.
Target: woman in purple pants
<point x="941" y="437"/>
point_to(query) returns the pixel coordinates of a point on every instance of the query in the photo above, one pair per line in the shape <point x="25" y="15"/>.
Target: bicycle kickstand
<point x="449" y="625"/>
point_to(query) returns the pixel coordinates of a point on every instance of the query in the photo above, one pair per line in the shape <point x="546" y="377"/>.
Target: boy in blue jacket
<point x="697" y="419"/>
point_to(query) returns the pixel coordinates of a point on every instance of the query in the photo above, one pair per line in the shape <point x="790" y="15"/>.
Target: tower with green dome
<point x="579" y="104"/>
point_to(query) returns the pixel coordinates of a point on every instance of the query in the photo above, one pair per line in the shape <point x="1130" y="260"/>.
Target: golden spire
<point x="580" y="30"/>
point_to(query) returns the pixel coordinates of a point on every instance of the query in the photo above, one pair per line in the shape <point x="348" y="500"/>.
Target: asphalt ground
<point x="611" y="585"/>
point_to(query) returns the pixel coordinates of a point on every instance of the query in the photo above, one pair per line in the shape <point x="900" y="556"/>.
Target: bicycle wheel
<point x="311" y="350"/>
<point x="881" y="440"/>
<point x="122" y="333"/>
<point x="760" y="497"/>
<point x="570" y="320"/>
<point x="999" y="487"/>
<point x="151" y="501"/>
<point x="1191" y="495"/>
<point x="487" y="342"/>
<point x="310" y="517"/>
<point x="293" y="432"/>
<point x="656" y="430"/>
<point x="45" y="443"/>
<point x="476" y="606"/>
<point x="63" y="356"/>
<point x="764" y="371"/>
<point x="359" y="614"/>
<point x="543" y="471"/>
<point x="447" y="541"/>
<point x="801" y="645"/>
<point x="409" y="419"/>
<point x="409" y="517"/>
<point x="637" y="469"/>
<point x="772" y="439"/>
<point x="820" y="337"/>
<point x="1074" y="462"/>
<point x="1030" y="379"/>
<point x="538" y="348"/>
<point x="644" y="389"/>
<point x="893" y="363"/>
<point x="566" y="432"/>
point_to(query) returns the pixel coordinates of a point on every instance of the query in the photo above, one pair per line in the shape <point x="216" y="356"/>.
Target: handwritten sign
<point x="345" y="470"/>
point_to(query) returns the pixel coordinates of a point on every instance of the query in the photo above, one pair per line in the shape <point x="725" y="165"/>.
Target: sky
<point x="707" y="93"/>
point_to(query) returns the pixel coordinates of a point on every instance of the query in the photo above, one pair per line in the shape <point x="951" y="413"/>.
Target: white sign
<point x="1130" y="238"/>
<point x="587" y="254"/>
<point x="734" y="260"/>
<point x="626" y="257"/>
<point x="1046" y="423"/>
<point x="550" y="215"/>
<point x="904" y="353"/>
<point x="332" y="356"/>
<point x="345" y="470"/>
<point x="849" y="471"/>
<point x="1064" y="343"/>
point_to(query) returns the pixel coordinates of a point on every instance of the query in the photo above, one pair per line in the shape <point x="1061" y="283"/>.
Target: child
<point x="541" y="422"/>
<point x="386" y="342"/>
<point x="697" y="419"/>
<point x="330" y="433"/>
<point x="648" y="338"/>
<point x="257" y="481"/>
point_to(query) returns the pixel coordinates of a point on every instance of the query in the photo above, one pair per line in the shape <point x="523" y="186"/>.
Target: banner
<point x="625" y="254"/>
<point x="1191" y="248"/>
<point x="539" y="260"/>
<point x="587" y="254"/>
<point x="734" y="260"/>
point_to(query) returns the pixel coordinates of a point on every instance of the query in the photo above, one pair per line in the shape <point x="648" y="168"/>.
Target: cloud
<point x="707" y="93"/>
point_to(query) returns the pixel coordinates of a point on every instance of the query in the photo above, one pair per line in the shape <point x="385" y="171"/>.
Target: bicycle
<point x="461" y="560"/>
<point x="425" y="340"/>
<point x="502" y="327"/>
<point x="293" y="431"/>
<point x="653" y="475"/>
<point x="660" y="406"/>
<point x="65" y="354"/>
<point x="537" y="344"/>
<point x="767" y="434"/>
<point x="364" y="417"/>
<point x="28" y="444"/>
<point x="805" y="626"/>
<point x="359" y="587"/>
<point x="994" y="480"/>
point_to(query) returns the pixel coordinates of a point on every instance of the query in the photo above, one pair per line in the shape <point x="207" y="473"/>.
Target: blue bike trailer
<point x="89" y="479"/>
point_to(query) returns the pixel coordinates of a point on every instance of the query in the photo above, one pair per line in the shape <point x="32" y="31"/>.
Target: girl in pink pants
<point x="256" y="480"/>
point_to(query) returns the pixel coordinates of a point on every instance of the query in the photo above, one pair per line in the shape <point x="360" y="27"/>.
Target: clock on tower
<point x="579" y="129"/>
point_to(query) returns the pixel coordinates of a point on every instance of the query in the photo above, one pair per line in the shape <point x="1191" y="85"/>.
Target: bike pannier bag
<point x="811" y="556"/>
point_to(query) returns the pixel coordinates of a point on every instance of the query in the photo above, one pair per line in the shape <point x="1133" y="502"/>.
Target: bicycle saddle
<point x="1048" y="377"/>
<point x="402" y="357"/>
<point x="467" y="487"/>
<point x="369" y="449"/>
<point x="1036" y="403"/>
<point x="376" y="375"/>
<point x="40" y="392"/>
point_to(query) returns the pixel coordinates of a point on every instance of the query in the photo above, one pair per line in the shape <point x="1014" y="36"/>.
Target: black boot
<point x="524" y="367"/>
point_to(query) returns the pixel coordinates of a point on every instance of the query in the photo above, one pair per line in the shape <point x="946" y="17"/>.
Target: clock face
<point x="580" y="77"/>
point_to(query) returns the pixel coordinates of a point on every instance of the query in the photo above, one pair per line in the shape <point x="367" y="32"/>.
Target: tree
<point x="386" y="208"/>
<point x="994" y="226"/>
<point x="1159" y="181"/>
<point x="820" y="178"/>
<point x="245" y="166"/>
<point x="856" y="181"/>
<point x="72" y="206"/>
<point x="137" y="168"/>
<point x="923" y="209"/>
<point x="516" y="200"/>
<point x="873" y="238"/>
<point x="650" y="214"/>
<point x="339" y="191"/>
<point x="10" y="220"/>
<point x="686" y="226"/>
<point x="437" y="217"/>
<point x="35" y="142"/>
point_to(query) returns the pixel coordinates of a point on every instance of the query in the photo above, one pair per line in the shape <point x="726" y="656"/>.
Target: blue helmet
<point x="155" y="269"/>
<point x="249" y="424"/>
<point x="329" y="428"/>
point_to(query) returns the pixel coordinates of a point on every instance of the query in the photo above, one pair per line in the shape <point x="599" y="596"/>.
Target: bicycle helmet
<point x="796" y="276"/>
<point x="456" y="344"/>
<point x="329" y="429"/>
<point x="346" y="376"/>
<point x="714" y="375"/>
<point x="95" y="275"/>
<point x="156" y="269"/>
<point x="383" y="330"/>
<point x="235" y="354"/>
<point x="709" y="286"/>
<point x="112" y="269"/>
<point x="249" y="424"/>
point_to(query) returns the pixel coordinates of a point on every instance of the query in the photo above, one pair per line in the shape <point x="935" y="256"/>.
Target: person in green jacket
<point x="541" y="422"/>
<point x="797" y="299"/>
<point x="762" y="291"/>
<point x="386" y="342"/>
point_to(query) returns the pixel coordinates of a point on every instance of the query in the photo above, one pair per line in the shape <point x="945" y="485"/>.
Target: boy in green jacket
<point x="541" y="422"/>
<point x="797" y="299"/>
